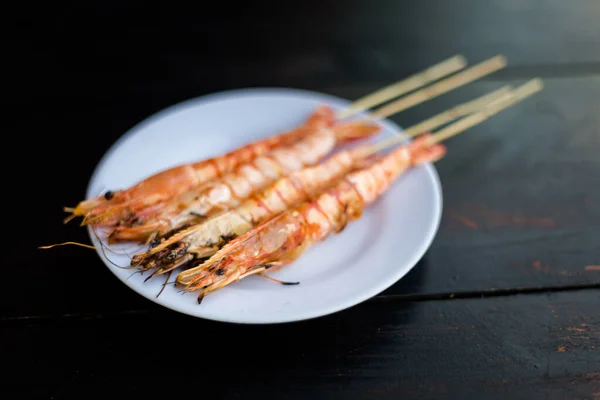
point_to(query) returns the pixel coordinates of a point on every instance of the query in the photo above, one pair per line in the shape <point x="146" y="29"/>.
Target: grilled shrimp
<point x="234" y="188"/>
<point x="111" y="207"/>
<point x="205" y="238"/>
<point x="283" y="238"/>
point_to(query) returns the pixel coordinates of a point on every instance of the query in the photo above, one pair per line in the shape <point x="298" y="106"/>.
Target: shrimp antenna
<point x="136" y="272"/>
<point x="263" y="275"/>
<point x="406" y="85"/>
<point x="87" y="246"/>
<point x="103" y="249"/>
<point x="165" y="283"/>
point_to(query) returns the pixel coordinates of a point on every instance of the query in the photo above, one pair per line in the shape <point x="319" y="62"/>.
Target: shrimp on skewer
<point x="205" y="238"/>
<point x="174" y="181"/>
<point x="282" y="239"/>
<point x="231" y="190"/>
<point x="157" y="222"/>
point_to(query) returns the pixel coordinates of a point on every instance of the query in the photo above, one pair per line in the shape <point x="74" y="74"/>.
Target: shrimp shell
<point x="283" y="239"/>
<point x="236" y="187"/>
<point x="107" y="209"/>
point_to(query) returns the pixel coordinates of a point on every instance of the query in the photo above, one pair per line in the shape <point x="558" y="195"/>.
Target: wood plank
<point x="157" y="50"/>
<point x="519" y="191"/>
<point x="519" y="205"/>
<point x="529" y="346"/>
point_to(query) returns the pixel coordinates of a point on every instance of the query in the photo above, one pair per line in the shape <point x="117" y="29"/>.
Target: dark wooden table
<point x="505" y="304"/>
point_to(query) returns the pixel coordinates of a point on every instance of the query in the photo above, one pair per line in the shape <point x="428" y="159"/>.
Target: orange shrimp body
<point x="282" y="239"/>
<point x="113" y="205"/>
<point x="234" y="188"/>
<point x="206" y="238"/>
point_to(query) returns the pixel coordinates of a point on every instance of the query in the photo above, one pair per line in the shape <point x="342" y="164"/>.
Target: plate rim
<point x="322" y="311"/>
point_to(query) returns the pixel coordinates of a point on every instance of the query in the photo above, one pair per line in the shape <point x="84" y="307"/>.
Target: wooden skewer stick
<point x="493" y="108"/>
<point x="406" y="85"/>
<point x="456" y="112"/>
<point x="442" y="118"/>
<point x="462" y="78"/>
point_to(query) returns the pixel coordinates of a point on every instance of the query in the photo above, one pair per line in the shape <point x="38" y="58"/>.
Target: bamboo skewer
<point x="462" y="78"/>
<point x="442" y="118"/>
<point x="494" y="105"/>
<point x="493" y="108"/>
<point x="456" y="112"/>
<point x="406" y="85"/>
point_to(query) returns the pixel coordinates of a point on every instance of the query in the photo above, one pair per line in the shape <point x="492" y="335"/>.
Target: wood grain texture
<point x="520" y="191"/>
<point x="505" y="303"/>
<point x="520" y="194"/>
<point x="529" y="346"/>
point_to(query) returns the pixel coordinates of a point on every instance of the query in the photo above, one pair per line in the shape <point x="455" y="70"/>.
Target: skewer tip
<point x="536" y="83"/>
<point x="461" y="60"/>
<point x="501" y="60"/>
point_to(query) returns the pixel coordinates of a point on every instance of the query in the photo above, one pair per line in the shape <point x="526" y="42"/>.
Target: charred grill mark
<point x="196" y="262"/>
<point x="136" y="221"/>
<point x="172" y="232"/>
<point x="155" y="242"/>
<point x="227" y="238"/>
<point x="342" y="221"/>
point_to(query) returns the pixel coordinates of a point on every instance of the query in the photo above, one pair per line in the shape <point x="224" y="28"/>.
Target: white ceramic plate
<point x="370" y="255"/>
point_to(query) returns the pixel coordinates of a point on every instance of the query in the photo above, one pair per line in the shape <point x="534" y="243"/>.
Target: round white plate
<point x="370" y="255"/>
